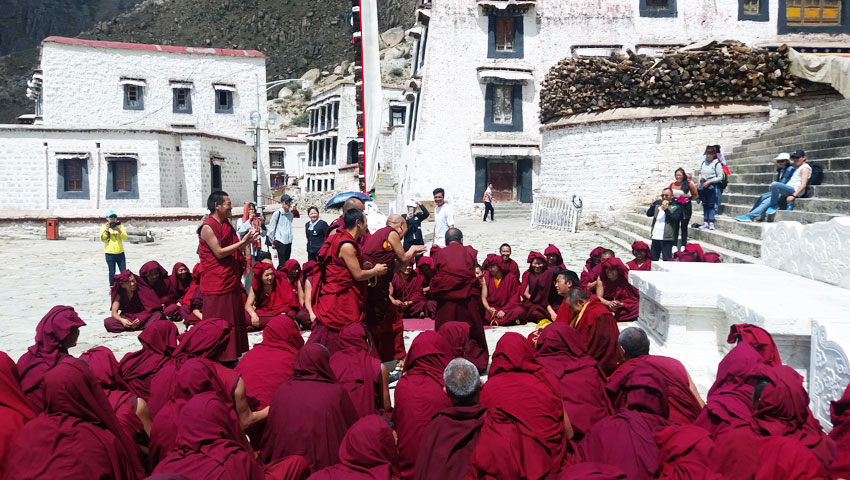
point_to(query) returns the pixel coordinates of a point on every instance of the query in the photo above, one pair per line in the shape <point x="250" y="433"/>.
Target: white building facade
<point x="332" y="140"/>
<point x="288" y="160"/>
<point x="121" y="125"/>
<point x="478" y="65"/>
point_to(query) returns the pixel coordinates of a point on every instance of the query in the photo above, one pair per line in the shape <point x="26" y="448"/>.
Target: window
<point x="813" y="12"/>
<point x="326" y="185"/>
<point x="505" y="36"/>
<point x="332" y="184"/>
<point x="334" y="143"/>
<point x="215" y="176"/>
<point x="755" y="10"/>
<point x="223" y="101"/>
<point x="73" y="175"/>
<point x="657" y="8"/>
<point x="182" y="100"/>
<point x="503" y="108"/>
<point x="276" y="159"/>
<point x="122" y="178"/>
<point x="751" y="7"/>
<point x="397" y="116"/>
<point x="72" y="180"/>
<point x="134" y="97"/>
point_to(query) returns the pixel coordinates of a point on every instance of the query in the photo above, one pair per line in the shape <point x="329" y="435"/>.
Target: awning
<point x="506" y="4"/>
<point x="216" y="160"/>
<point x="71" y="155"/>
<point x="486" y="148"/>
<point x="114" y="157"/>
<point x="139" y="82"/>
<point x="414" y="32"/>
<point x="489" y="75"/>
<point x="224" y="86"/>
<point x="181" y="84"/>
<point x="423" y="15"/>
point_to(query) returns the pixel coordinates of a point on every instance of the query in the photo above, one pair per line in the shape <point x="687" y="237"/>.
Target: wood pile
<point x="715" y="74"/>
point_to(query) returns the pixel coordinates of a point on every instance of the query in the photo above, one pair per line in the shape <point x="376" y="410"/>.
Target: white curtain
<point x="372" y="95"/>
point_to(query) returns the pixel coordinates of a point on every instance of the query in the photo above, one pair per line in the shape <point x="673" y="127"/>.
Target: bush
<point x="308" y="94"/>
<point x="397" y="72"/>
<point x="300" y="120"/>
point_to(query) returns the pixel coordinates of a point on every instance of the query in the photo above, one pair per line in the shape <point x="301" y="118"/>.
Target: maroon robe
<point x="620" y="290"/>
<point x="448" y="442"/>
<point x="339" y="224"/>
<point x="758" y="338"/>
<point x="559" y="262"/>
<point x="598" y="329"/>
<point x="591" y="262"/>
<point x="358" y="369"/>
<point x="411" y="290"/>
<point x="221" y="285"/>
<point x="540" y="287"/>
<point x="309" y="413"/>
<point x="145" y="305"/>
<point x="646" y="266"/>
<point x="48" y="350"/>
<point x="458" y="295"/>
<point x="301" y="316"/>
<point x="840" y="414"/>
<point x="509" y="267"/>
<point x="367" y="453"/>
<point x="561" y="351"/>
<point x="162" y="288"/>
<point x="419" y="394"/>
<point x="138" y="368"/>
<point x="176" y="286"/>
<point x="742" y="454"/>
<point x="505" y="298"/>
<point x="281" y="302"/>
<point x="684" y="407"/>
<point x="456" y="335"/>
<point x="77" y="436"/>
<point x="15" y="410"/>
<point x="684" y="453"/>
<point x="271" y="362"/>
<point x="379" y="314"/>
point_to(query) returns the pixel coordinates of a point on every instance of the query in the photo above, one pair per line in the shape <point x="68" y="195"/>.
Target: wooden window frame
<point x="669" y="11"/>
<point x="763" y="14"/>
<point x="844" y="27"/>
<point x="62" y="193"/>
<point x="186" y="108"/>
<point x="516" y="124"/>
<point x="139" y="103"/>
<point x="112" y="192"/>
<point x="227" y="105"/>
<point x="518" y="50"/>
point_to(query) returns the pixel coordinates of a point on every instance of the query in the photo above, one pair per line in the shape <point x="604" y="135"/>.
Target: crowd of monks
<point x="575" y="399"/>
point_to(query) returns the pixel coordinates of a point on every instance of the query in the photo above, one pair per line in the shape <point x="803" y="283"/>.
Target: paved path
<point x="38" y="274"/>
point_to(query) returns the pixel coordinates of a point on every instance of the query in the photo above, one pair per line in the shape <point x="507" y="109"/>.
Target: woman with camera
<point x="112" y="234"/>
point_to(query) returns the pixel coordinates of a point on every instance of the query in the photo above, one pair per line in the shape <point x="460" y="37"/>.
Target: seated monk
<point x="159" y="341"/>
<point x="758" y="338"/>
<point x="596" y="325"/>
<point x="179" y="281"/>
<point x="55" y="334"/>
<point x="593" y="260"/>
<point x="840" y="414"/>
<point x="292" y="270"/>
<point x="457" y="292"/>
<point x="641" y="261"/>
<point x="589" y="283"/>
<point x="563" y="281"/>
<point x="134" y="304"/>
<point x="270" y="297"/>
<point x="158" y="280"/>
<point x="536" y="286"/>
<point x="408" y="292"/>
<point x="15" y="410"/>
<point x="627" y="439"/>
<point x="367" y="452"/>
<point x="743" y="454"/>
<point x="500" y="294"/>
<point x="615" y="292"/>
<point x="526" y="430"/>
<point x="456" y="335"/>
<point x="561" y="351"/>
<point x="685" y="450"/>
<point x="451" y="436"/>
<point x="361" y="373"/>
<point x="192" y="301"/>
<point x="685" y="402"/>
<point x="507" y="264"/>
<point x="280" y="345"/>
<point x="554" y="257"/>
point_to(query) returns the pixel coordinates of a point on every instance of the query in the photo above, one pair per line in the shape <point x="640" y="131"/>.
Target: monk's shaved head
<point x="353" y="202"/>
<point x="634" y="341"/>
<point x="462" y="382"/>
<point x="575" y="295"/>
<point x="395" y="220"/>
<point x="454" y="235"/>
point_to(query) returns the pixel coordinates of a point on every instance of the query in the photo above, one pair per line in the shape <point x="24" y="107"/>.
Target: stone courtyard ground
<point x="35" y="275"/>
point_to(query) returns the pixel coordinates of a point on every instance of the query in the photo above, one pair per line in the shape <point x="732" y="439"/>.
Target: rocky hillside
<point x="295" y="35"/>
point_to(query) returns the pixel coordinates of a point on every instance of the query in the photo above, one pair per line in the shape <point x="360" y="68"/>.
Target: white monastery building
<point x="287" y="159"/>
<point x="332" y="139"/>
<point x="120" y="125"/>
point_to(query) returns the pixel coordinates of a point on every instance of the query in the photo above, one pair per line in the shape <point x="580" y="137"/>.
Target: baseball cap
<point x="798" y="154"/>
<point x="111" y="213"/>
<point x="286" y="199"/>
<point x="783" y="156"/>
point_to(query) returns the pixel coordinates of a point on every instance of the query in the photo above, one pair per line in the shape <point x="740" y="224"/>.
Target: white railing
<point x="560" y="213"/>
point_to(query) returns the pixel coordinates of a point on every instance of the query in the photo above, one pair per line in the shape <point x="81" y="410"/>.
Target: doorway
<point x="501" y="175"/>
<point x="511" y="179"/>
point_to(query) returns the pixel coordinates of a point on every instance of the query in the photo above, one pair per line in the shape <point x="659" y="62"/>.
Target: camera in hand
<point x="114" y="224"/>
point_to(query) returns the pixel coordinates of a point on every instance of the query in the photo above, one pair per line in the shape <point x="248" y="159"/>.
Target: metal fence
<point x="557" y="212"/>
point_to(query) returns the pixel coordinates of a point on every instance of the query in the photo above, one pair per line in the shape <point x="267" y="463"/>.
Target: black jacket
<point x="316" y="238"/>
<point x="414" y="228"/>
<point x="671" y="220"/>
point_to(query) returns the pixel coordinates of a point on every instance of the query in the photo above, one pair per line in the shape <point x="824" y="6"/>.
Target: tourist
<point x="293" y="273"/>
<point x="316" y="231"/>
<point x="452" y="434"/>
<point x="590" y="281"/>
<point x="641" y="262"/>
<point x="367" y="453"/>
<point x="112" y="234"/>
<point x="270" y="362"/>
<point x="840" y="434"/>
<point x="457" y="292"/>
<point x="554" y="257"/>
<point x="220" y="252"/>
<point x="55" y="334"/>
<point x="444" y="218"/>
<point x="280" y="226"/>
<point x="561" y="350"/>
<point x="526" y="430"/>
<point x="535" y="287"/>
<point x="795" y="187"/>
<point x="784" y="172"/>
<point x="77" y="436"/>
<point x="156" y="277"/>
<point x="339" y="223"/>
<point x="134" y="304"/>
<point x="666" y="215"/>
<point x="271" y="296"/>
<point x="251" y="219"/>
<point x="420" y="394"/>
<point x="408" y="293"/>
<point x="684" y="400"/>
<point x="508" y="265"/>
<point x="15" y="410"/>
<point x="710" y="175"/>
<point x="615" y="291"/>
<point x="563" y="281"/>
<point x="684" y="192"/>
<point x="500" y="294"/>
<point x="178" y="283"/>
<point x="338" y="297"/>
<point x="159" y="341"/>
<point x="310" y="412"/>
<point x="488" y="203"/>
<point x="358" y="369"/>
<point x="414" y="224"/>
<point x="596" y="325"/>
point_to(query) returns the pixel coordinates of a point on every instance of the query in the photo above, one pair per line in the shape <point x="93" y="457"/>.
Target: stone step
<point x="724" y="224"/>
<point x="770" y="153"/>
<point x="837" y="192"/>
<point x="801" y="216"/>
<point x="624" y="238"/>
<point x="827" y="164"/>
<point x="813" y="205"/>
<point x="744" y="245"/>
<point x="836" y="150"/>
<point x="788" y="140"/>
<point x="816" y="112"/>
<point x="813" y="127"/>
<point x="830" y="177"/>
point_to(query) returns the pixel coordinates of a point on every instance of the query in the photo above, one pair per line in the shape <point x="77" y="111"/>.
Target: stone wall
<point x="820" y="251"/>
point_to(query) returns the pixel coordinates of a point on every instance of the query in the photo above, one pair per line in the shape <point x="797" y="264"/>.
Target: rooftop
<point x="153" y="48"/>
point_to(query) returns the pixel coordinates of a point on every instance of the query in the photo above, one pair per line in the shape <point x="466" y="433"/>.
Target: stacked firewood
<point x="715" y="74"/>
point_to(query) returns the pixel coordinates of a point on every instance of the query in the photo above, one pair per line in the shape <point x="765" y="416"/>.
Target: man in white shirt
<point x="280" y="230"/>
<point x="444" y="218"/>
<point x="666" y="215"/>
<point x="795" y="187"/>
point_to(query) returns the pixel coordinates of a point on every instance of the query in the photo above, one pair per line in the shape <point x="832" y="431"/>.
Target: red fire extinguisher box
<point x="52" y="229"/>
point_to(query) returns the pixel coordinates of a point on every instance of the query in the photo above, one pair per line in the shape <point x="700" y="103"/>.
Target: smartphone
<point x="411" y="210"/>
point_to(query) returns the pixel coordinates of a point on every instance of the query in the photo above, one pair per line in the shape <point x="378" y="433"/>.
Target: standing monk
<point x="383" y="248"/>
<point x="339" y="223"/>
<point x="339" y="292"/>
<point x="220" y="252"/>
<point x="596" y="325"/>
<point x="457" y="292"/>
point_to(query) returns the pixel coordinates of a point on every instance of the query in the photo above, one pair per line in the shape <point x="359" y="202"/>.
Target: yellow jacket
<point x="112" y="239"/>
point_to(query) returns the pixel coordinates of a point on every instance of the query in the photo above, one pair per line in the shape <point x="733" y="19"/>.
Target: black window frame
<point x="762" y="16"/>
<point x="140" y="97"/>
<point x="519" y="39"/>
<point x="111" y="193"/>
<point x="280" y="154"/>
<point x="783" y="27"/>
<point x="397" y="109"/>
<point x="62" y="171"/>
<point x="516" y="124"/>
<point x="670" y="11"/>
<point x="188" y="94"/>
<point x="216" y="174"/>
<point x="219" y="107"/>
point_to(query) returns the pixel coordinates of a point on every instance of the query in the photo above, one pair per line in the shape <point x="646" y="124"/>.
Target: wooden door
<point x="502" y="178"/>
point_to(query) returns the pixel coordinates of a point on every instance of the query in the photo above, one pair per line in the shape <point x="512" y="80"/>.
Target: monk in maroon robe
<point x="138" y="368"/>
<point x="419" y="394"/>
<point x="292" y="270"/>
<point x="507" y="263"/>
<point x="156" y="277"/>
<point x="685" y="452"/>
<point x="596" y="325"/>
<point x="554" y="257"/>
<point x="758" y="338"/>
<point x="367" y="453"/>
<point x="561" y="351"/>
<point x="179" y="281"/>
<point x="192" y="301"/>
<point x="591" y="471"/>
<point x="641" y="261"/>
<point x="221" y="253"/>
<point x="742" y="454"/>
<point x="593" y="260"/>
<point x="270" y="297"/>
<point x="55" y="334"/>
<point x="591" y="280"/>
<point x="684" y="400"/>
<point x="458" y="294"/>
<point x="536" y="287"/>
<point x="840" y="415"/>
<point x="339" y="222"/>
<point x="339" y="292"/>
<point x="456" y="335"/>
<point x="526" y="430"/>
<point x="310" y="413"/>
<point x="361" y="373"/>
<point x="77" y="436"/>
<point x="408" y="291"/>
<point x="615" y="291"/>
<point x="280" y="345"/>
<point x="15" y="410"/>
<point x="500" y="294"/>
<point x="452" y="434"/>
<point x="134" y="304"/>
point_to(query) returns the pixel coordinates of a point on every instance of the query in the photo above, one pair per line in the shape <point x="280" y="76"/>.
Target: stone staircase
<point x="385" y="190"/>
<point x="509" y="210"/>
<point x="823" y="132"/>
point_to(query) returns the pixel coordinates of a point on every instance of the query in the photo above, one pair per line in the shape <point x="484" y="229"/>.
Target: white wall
<point x="345" y="132"/>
